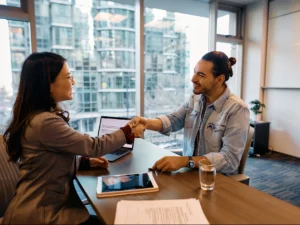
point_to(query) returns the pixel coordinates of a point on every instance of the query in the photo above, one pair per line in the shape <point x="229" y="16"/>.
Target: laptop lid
<point x="109" y="124"/>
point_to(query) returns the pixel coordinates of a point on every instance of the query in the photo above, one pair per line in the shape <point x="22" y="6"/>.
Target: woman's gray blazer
<point x="45" y="193"/>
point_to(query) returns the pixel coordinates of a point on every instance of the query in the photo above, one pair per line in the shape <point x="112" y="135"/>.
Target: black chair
<point x="9" y="176"/>
<point x="241" y="177"/>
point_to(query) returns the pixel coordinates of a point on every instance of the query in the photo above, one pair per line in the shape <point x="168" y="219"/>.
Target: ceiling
<point x="235" y="2"/>
<point x="241" y="2"/>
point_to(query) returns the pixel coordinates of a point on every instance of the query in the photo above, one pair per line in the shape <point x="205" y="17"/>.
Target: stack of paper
<point x="183" y="211"/>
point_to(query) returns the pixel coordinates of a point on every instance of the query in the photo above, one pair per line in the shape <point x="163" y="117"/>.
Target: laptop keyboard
<point x="119" y="152"/>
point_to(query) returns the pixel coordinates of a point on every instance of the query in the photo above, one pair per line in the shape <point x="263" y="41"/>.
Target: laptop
<point x="108" y="125"/>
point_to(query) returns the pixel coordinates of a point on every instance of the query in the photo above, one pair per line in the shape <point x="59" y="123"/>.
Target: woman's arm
<point x="56" y="135"/>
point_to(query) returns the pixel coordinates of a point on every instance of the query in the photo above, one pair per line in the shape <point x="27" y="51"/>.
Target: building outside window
<point x="174" y="42"/>
<point x="97" y="37"/>
<point x="98" y="40"/>
<point x="15" y="47"/>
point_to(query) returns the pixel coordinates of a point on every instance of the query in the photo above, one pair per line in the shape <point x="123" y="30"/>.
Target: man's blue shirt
<point x="223" y="129"/>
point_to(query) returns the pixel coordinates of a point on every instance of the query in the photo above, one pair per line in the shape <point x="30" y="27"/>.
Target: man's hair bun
<point x="232" y="61"/>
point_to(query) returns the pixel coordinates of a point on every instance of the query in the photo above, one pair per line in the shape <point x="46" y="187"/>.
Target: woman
<point x="40" y="138"/>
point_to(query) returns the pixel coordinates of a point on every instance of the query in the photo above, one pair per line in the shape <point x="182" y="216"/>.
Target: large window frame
<point x="236" y="39"/>
<point x="26" y="13"/>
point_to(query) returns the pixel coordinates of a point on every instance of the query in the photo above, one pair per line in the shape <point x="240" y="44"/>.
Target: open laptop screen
<point x="111" y="124"/>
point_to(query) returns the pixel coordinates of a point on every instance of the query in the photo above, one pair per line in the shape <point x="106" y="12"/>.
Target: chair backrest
<point x="9" y="176"/>
<point x="246" y="151"/>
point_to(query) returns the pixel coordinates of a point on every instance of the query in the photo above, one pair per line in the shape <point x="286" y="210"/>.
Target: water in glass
<point x="207" y="175"/>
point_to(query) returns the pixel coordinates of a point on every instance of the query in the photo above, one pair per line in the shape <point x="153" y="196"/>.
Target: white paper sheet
<point x="183" y="211"/>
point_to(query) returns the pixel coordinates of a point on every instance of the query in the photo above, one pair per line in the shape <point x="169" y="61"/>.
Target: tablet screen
<point x="126" y="182"/>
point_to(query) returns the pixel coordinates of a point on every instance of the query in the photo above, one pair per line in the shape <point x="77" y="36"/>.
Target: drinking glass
<point x="207" y="175"/>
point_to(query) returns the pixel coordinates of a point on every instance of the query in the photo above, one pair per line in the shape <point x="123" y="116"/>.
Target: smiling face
<point x="203" y="79"/>
<point x="61" y="88"/>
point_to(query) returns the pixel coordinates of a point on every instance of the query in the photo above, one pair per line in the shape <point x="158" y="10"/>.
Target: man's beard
<point x="204" y="90"/>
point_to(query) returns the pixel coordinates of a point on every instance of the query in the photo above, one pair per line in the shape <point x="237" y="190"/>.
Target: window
<point x="88" y="125"/>
<point x="15" y="47"/>
<point x="117" y="80"/>
<point x="123" y="101"/>
<point x="117" y="59"/>
<point x="86" y="91"/>
<point x="116" y="39"/>
<point x="153" y="42"/>
<point x="174" y="42"/>
<point x="15" y="3"/>
<point x="229" y="41"/>
<point x="114" y="15"/>
<point x="67" y="54"/>
<point x="61" y="13"/>
<point x="227" y="23"/>
<point x="62" y="36"/>
<point x="97" y="37"/>
<point x="233" y="50"/>
<point x="81" y="31"/>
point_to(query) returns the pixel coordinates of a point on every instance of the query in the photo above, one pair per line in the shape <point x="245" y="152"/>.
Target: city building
<point x="98" y="40"/>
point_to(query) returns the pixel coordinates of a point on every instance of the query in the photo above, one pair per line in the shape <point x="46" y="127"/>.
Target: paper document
<point x="183" y="211"/>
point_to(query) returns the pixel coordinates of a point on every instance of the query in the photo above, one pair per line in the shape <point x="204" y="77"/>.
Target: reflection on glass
<point x="226" y="23"/>
<point x="174" y="42"/>
<point x="98" y="40"/>
<point x="15" y="47"/>
<point x="231" y="50"/>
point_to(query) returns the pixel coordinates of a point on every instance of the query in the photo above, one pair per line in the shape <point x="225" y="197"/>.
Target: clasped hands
<point x="167" y="163"/>
<point x="138" y="126"/>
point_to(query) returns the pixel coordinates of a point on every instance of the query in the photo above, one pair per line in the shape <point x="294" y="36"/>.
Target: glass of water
<point x="207" y="175"/>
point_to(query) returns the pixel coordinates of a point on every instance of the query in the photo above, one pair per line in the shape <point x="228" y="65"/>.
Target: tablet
<point x="125" y="184"/>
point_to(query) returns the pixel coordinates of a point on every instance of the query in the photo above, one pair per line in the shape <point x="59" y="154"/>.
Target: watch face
<point x="191" y="164"/>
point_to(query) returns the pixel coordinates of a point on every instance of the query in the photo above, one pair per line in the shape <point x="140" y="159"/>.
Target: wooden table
<point x="230" y="202"/>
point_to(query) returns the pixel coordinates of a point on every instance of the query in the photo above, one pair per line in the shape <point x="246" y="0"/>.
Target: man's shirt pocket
<point x="214" y="134"/>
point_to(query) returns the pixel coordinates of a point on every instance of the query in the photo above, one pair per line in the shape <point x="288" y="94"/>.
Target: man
<point x="215" y="121"/>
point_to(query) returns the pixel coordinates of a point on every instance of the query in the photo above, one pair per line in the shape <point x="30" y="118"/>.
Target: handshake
<point x="138" y="126"/>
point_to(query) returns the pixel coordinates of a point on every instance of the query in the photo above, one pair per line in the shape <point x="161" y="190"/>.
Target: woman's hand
<point x="99" y="162"/>
<point x="137" y="127"/>
<point x="138" y="130"/>
<point x="139" y="120"/>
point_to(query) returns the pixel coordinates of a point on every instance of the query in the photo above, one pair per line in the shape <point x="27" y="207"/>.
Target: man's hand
<point x="99" y="162"/>
<point x="170" y="163"/>
<point x="150" y="124"/>
<point x="139" y="120"/>
<point x="138" y="126"/>
<point x="138" y="130"/>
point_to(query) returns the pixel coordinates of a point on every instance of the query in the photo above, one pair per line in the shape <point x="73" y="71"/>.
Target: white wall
<point x="283" y="113"/>
<point x="254" y="50"/>
<point x="272" y="53"/>
<point x="282" y="76"/>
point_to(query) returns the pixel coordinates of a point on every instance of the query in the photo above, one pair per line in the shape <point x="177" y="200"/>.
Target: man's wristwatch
<point x="191" y="163"/>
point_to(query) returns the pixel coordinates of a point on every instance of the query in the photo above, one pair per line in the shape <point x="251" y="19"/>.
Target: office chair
<point x="9" y="176"/>
<point x="241" y="177"/>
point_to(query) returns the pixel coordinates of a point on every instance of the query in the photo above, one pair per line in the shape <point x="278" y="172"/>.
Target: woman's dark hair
<point x="39" y="70"/>
<point x="222" y="64"/>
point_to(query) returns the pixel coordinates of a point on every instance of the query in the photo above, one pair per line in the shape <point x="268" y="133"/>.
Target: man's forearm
<point x="154" y="124"/>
